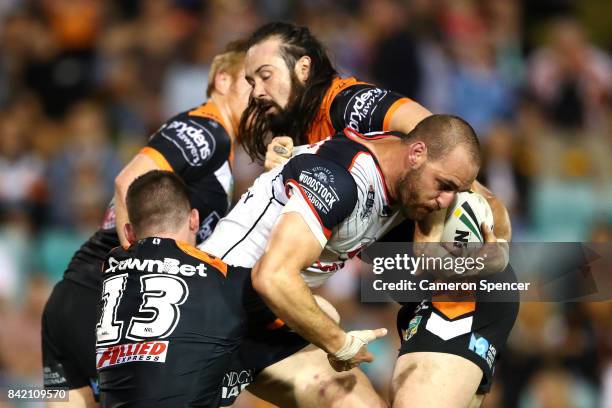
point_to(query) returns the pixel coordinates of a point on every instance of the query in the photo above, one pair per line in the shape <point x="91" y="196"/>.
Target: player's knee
<point x="329" y="387"/>
<point x="424" y="373"/>
<point x="328" y="308"/>
<point x="414" y="370"/>
<point x="326" y="387"/>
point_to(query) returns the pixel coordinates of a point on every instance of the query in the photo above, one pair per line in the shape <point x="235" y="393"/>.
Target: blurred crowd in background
<point x="84" y="82"/>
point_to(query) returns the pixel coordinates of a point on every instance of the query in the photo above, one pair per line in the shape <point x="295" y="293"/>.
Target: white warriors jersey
<point x="337" y="187"/>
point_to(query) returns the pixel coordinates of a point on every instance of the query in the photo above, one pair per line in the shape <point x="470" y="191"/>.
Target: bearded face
<point x="432" y="185"/>
<point x="413" y="197"/>
<point x="277" y="119"/>
<point x="283" y="101"/>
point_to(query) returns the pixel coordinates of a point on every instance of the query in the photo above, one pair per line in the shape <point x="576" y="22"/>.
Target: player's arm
<point x="295" y="243"/>
<point x="186" y="144"/>
<point x="501" y="219"/>
<point x="140" y="164"/>
<point x="428" y="235"/>
<point x="387" y="111"/>
<point x="405" y="117"/>
<point x="496" y="249"/>
<point x="291" y="248"/>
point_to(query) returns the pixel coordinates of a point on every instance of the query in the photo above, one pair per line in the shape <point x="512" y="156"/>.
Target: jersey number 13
<point x="161" y="297"/>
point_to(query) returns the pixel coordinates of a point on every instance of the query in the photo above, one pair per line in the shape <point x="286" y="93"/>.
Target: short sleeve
<point x="365" y="108"/>
<point x="321" y="191"/>
<point x="189" y="144"/>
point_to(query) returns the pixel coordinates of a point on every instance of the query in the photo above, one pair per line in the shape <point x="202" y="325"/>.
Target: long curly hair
<point x="255" y="131"/>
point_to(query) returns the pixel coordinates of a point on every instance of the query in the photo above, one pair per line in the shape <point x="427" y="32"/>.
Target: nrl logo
<point x="413" y="326"/>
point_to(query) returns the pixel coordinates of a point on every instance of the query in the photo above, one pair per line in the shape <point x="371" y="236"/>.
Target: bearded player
<point x="300" y="222"/>
<point x="298" y="93"/>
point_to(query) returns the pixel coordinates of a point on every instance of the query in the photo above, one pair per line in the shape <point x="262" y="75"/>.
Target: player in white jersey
<point x="298" y="224"/>
<point x="244" y="232"/>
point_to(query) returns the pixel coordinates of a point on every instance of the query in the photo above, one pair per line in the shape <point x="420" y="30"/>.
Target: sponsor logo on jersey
<point x="368" y="205"/>
<point x="150" y="351"/>
<point x="483" y="348"/>
<point x="236" y="381"/>
<point x="193" y="140"/>
<point x="362" y="104"/>
<point x="328" y="266"/>
<point x="317" y="183"/>
<point x="207" y="226"/>
<point x="170" y="266"/>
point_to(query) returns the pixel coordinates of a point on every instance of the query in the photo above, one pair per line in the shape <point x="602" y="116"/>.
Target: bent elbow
<point x="121" y="183"/>
<point x="259" y="281"/>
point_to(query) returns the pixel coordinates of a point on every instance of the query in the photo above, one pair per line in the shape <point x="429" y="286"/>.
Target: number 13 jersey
<point x="169" y="318"/>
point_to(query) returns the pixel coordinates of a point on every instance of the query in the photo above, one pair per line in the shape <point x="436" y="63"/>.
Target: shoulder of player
<point x="205" y="116"/>
<point x="347" y="148"/>
<point x="187" y="141"/>
<point x="113" y="257"/>
<point x="341" y="85"/>
<point x="312" y="168"/>
<point x="210" y="112"/>
<point x="201" y="256"/>
<point x="119" y="250"/>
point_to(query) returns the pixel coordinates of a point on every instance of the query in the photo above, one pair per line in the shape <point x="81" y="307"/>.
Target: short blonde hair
<point x="230" y="61"/>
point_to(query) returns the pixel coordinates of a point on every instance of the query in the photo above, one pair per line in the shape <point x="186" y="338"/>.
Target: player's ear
<point x="223" y="81"/>
<point x="302" y="68"/>
<point x="194" y="220"/>
<point x="130" y="235"/>
<point x="417" y="154"/>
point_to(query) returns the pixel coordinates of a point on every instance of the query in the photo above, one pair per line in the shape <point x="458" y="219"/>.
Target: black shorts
<point x="267" y="342"/>
<point x="476" y="331"/>
<point x="190" y="375"/>
<point x="68" y="337"/>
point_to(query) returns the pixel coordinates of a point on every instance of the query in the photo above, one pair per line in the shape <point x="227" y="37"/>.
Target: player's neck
<point x="387" y="153"/>
<point x="182" y="236"/>
<point x="226" y="113"/>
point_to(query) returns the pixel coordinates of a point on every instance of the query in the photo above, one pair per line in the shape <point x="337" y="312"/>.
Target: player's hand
<point x="495" y="253"/>
<point x="435" y="250"/>
<point x="363" y="356"/>
<point x="279" y="151"/>
<point x="355" y="349"/>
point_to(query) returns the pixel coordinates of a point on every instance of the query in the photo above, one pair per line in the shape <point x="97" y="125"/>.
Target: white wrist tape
<point x="354" y="341"/>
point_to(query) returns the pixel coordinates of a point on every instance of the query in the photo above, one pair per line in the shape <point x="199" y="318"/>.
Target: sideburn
<point x="410" y="182"/>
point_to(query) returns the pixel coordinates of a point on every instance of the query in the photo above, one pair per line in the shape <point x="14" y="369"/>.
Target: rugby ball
<point x="464" y="217"/>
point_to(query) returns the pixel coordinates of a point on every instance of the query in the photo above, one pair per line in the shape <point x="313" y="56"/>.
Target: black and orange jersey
<point x="196" y="146"/>
<point x="352" y="103"/>
<point x="170" y="317"/>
